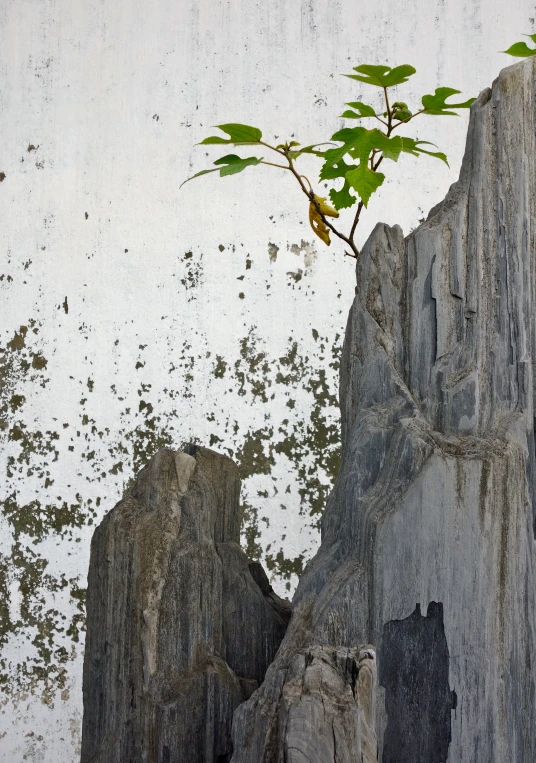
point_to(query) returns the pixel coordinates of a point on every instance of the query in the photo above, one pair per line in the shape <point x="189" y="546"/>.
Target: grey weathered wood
<point x="323" y="709"/>
<point x="428" y="547"/>
<point x="179" y="633"/>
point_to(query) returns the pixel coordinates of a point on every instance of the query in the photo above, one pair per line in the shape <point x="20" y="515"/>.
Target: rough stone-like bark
<point x="428" y="545"/>
<point x="179" y="633"/>
<point x="433" y="508"/>
<point x="323" y="710"/>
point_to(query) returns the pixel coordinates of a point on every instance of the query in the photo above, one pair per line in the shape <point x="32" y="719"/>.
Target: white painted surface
<point x="113" y="95"/>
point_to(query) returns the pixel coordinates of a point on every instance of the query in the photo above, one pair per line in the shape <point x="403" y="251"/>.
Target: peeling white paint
<point x="102" y="102"/>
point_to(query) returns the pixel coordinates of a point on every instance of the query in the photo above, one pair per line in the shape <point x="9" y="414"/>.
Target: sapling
<point x="355" y="153"/>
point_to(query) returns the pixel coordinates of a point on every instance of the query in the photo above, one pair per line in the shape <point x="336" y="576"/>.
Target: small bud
<point x="402" y="115"/>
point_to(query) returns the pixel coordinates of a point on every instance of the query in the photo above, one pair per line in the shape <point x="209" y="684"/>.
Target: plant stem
<point x="310" y="195"/>
<point x="271" y="164"/>
<point x="405" y="121"/>
<point x="388" y="111"/>
<point x="356" y="219"/>
<point x="262" y="143"/>
<point x="312" y="198"/>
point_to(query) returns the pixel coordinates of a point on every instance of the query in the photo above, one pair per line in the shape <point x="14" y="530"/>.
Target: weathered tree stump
<point x="179" y="632"/>
<point x="428" y="539"/>
<point x="434" y="508"/>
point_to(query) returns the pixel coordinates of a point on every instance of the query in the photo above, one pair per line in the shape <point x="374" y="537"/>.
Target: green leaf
<point x="351" y="137"/>
<point x="436" y="103"/>
<point x="238" y="135"/>
<point x="411" y="146"/>
<point x="521" y="49"/>
<point x="337" y="170"/>
<point x="212" y="139"/>
<point x="403" y="115"/>
<point x="231" y="165"/>
<point x="343" y="198"/>
<point x="309" y="150"/>
<point x="390" y="147"/>
<point x="365" y="181"/>
<point x="359" y="143"/>
<point x="437" y="154"/>
<point x="382" y="76"/>
<point x="362" y="109"/>
<point x="350" y="115"/>
<point x="234" y="164"/>
<point x="288" y="145"/>
<point x="197" y="174"/>
<point x="349" y="134"/>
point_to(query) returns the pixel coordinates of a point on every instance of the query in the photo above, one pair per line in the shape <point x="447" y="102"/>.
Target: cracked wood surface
<point x="433" y="507"/>
<point x="179" y="632"/>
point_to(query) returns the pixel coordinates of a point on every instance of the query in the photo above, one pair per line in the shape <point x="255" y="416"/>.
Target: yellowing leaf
<point x="317" y="224"/>
<point x="325" y="209"/>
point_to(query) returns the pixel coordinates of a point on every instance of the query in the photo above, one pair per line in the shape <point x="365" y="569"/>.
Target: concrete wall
<point x="135" y="315"/>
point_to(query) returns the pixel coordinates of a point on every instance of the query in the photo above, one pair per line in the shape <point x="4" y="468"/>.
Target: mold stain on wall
<point x="31" y="611"/>
<point x="274" y="413"/>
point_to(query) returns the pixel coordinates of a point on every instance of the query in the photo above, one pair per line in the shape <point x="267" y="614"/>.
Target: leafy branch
<point x="355" y="153"/>
<point x="521" y="49"/>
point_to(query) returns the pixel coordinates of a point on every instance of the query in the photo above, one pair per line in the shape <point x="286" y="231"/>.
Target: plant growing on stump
<point x="355" y="154"/>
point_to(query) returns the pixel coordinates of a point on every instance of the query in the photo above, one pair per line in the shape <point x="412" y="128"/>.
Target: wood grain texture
<point x="433" y="506"/>
<point x="432" y="511"/>
<point x="179" y="632"/>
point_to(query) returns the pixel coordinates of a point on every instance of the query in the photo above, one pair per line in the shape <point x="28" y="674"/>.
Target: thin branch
<point x="356" y="219"/>
<point x="310" y="194"/>
<point x="405" y="121"/>
<point x="262" y="143"/>
<point x="381" y="120"/>
<point x="388" y="111"/>
<point x="281" y="166"/>
<point x="312" y="198"/>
